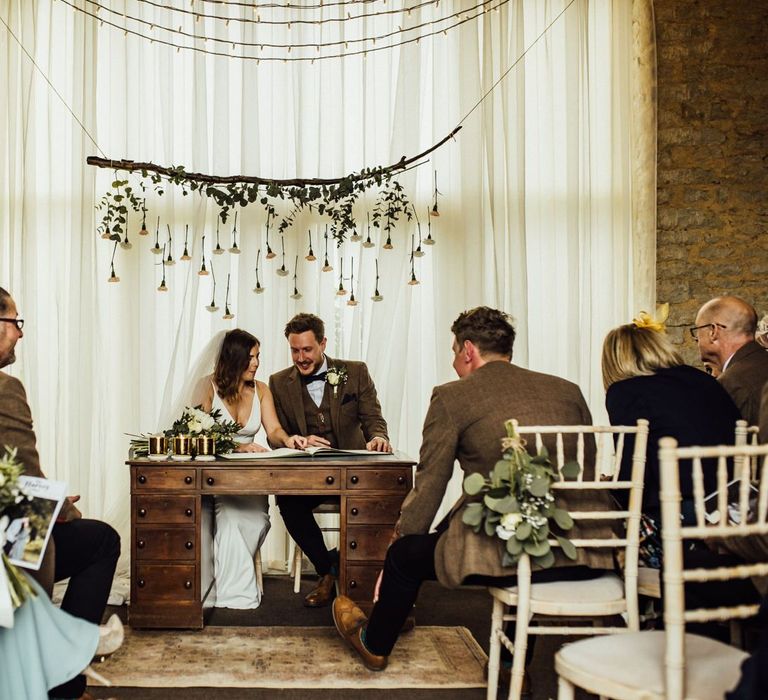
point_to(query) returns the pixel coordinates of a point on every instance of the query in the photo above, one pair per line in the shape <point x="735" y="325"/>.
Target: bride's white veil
<point x="202" y="367"/>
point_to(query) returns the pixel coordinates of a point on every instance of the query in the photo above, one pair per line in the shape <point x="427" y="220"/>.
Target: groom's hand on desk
<point x="296" y="442"/>
<point x="378" y="444"/>
<point x="317" y="441"/>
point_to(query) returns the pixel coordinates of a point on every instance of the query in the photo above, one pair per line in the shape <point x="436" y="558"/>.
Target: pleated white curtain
<point x="539" y="210"/>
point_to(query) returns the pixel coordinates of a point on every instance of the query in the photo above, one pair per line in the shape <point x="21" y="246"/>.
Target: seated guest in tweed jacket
<point x="465" y="422"/>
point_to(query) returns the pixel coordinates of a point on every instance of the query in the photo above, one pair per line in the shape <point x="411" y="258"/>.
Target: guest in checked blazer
<point x="333" y="403"/>
<point x="725" y="331"/>
<point x="85" y="551"/>
<point x="465" y="422"/>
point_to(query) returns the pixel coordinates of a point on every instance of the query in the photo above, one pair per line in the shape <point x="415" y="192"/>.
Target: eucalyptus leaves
<point x="515" y="503"/>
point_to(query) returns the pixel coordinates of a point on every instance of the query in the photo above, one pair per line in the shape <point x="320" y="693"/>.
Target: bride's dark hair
<point x="233" y="360"/>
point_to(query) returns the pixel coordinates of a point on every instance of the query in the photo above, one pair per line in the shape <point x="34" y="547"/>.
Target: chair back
<point x="599" y="450"/>
<point x="742" y="512"/>
<point x="748" y="435"/>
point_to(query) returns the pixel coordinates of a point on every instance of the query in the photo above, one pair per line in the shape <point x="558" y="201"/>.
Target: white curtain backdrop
<point x="536" y="212"/>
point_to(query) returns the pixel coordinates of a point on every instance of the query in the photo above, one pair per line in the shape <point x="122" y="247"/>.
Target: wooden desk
<point x="172" y="524"/>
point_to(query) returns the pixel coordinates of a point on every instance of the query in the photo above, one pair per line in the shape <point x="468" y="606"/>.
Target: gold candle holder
<point x="182" y="448"/>
<point x="158" y="447"/>
<point x="205" y="446"/>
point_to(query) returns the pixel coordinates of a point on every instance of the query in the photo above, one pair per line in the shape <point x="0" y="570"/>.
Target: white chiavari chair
<point x="589" y="600"/>
<point x="673" y="664"/>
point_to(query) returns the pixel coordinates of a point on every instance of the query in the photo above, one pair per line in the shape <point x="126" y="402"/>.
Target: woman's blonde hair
<point x="629" y="351"/>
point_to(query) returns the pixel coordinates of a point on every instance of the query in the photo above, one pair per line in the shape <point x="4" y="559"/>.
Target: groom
<point x="346" y="415"/>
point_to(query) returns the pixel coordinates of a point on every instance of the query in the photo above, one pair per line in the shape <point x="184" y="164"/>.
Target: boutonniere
<point x="336" y="377"/>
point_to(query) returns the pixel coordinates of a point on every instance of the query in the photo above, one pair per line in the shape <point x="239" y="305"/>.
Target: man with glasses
<point x="725" y="332"/>
<point x="85" y="551"/>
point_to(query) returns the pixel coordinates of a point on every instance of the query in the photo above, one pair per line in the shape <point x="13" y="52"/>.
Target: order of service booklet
<point x="30" y="523"/>
<point x="282" y="452"/>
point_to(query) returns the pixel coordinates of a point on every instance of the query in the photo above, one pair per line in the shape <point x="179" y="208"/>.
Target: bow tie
<point x="319" y="377"/>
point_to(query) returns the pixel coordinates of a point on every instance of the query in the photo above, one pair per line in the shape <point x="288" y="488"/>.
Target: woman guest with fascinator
<point x="242" y="522"/>
<point x="645" y="377"/>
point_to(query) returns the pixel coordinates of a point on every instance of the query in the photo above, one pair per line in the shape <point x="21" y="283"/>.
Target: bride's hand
<point x="250" y="447"/>
<point x="296" y="442"/>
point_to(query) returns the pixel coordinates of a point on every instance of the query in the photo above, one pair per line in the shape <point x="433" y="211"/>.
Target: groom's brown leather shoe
<point x="350" y="621"/>
<point x="323" y="593"/>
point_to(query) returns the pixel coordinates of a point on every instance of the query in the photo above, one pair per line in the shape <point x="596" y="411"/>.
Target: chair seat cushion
<point x="605" y="589"/>
<point x="624" y="665"/>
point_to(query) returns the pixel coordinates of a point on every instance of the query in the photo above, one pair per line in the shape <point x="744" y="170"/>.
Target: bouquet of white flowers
<point x="517" y="504"/>
<point x="14" y="587"/>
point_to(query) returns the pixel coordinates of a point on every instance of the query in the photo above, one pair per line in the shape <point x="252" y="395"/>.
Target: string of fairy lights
<point x="153" y="32"/>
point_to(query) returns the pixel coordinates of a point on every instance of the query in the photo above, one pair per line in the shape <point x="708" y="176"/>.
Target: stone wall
<point x="712" y="74"/>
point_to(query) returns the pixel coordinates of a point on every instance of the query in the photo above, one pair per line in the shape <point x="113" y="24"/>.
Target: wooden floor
<point x="281" y="606"/>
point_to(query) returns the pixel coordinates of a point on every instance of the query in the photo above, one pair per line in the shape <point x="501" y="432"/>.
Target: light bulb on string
<point x="212" y="306"/>
<point x="125" y="244"/>
<point x="327" y="267"/>
<point x="169" y="260"/>
<point x="143" y="231"/>
<point x="413" y="281"/>
<point x="218" y="250"/>
<point x="185" y="255"/>
<point x="310" y="255"/>
<point x="202" y="271"/>
<point x="418" y="253"/>
<point x="156" y="249"/>
<point x="107" y="234"/>
<point x="429" y="240"/>
<point x="163" y="287"/>
<point x="227" y="313"/>
<point x="282" y="271"/>
<point x="296" y="294"/>
<point x="270" y="253"/>
<point x="435" y="211"/>
<point x="258" y="288"/>
<point x="234" y="249"/>
<point x="368" y="243"/>
<point x="341" y="292"/>
<point x="352" y="301"/>
<point x="112" y="276"/>
<point x="388" y="245"/>
<point x="376" y="293"/>
<point x="355" y="237"/>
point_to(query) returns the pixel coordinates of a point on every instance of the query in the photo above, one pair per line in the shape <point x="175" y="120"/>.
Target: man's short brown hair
<point x="301" y="323"/>
<point x="489" y="329"/>
<point x="5" y="301"/>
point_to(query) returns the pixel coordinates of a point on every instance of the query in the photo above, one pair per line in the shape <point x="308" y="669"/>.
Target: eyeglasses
<point x="18" y="322"/>
<point x="694" y="330"/>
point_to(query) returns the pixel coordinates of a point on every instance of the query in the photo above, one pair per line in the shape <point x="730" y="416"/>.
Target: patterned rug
<point x="290" y="657"/>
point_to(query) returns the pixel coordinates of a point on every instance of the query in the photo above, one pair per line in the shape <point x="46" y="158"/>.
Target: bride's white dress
<point x="242" y="524"/>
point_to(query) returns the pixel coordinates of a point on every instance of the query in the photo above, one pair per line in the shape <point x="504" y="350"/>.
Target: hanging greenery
<point x="331" y="198"/>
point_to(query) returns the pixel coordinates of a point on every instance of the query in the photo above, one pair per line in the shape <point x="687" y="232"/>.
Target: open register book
<point x="282" y="452"/>
<point x="30" y="523"/>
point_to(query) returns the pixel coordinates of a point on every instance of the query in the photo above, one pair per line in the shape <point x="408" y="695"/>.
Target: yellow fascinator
<point x="645" y="320"/>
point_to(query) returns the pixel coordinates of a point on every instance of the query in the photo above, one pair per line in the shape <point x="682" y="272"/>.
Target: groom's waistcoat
<point x="319" y="417"/>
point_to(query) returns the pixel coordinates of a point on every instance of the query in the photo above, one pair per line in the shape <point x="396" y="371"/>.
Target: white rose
<point x="194" y="426"/>
<point x="206" y="421"/>
<point x="510" y="521"/>
<point x="333" y="378"/>
<point x="2" y="479"/>
<point x="503" y="533"/>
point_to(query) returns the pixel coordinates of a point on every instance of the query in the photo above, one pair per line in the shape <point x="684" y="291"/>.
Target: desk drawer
<point x="164" y="509"/>
<point x="361" y="581"/>
<point x="269" y="480"/>
<point x="161" y="543"/>
<point x="152" y="478"/>
<point x="373" y="511"/>
<point x="368" y="543"/>
<point x="396" y="480"/>
<point x="165" y="582"/>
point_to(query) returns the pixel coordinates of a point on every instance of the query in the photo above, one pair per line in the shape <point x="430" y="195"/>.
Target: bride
<point x="242" y="522"/>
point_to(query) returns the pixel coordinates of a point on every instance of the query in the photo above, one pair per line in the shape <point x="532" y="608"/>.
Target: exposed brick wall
<point x="712" y="156"/>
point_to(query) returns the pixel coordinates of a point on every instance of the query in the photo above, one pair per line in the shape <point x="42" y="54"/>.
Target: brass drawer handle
<point x="140" y="583"/>
<point x="189" y="544"/>
<point x="188" y="512"/>
<point x="142" y="512"/>
<point x="141" y="544"/>
<point x="187" y="479"/>
<point x="354" y="479"/>
<point x="329" y="480"/>
<point x="209" y="481"/>
<point x="353" y="544"/>
<point x="187" y="584"/>
<point x="354" y="511"/>
<point x="353" y="583"/>
<point x="142" y="479"/>
<point x="401" y="480"/>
